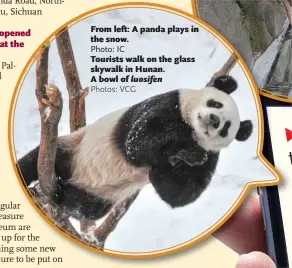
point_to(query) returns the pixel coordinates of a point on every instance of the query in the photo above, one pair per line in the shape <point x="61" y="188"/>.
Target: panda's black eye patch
<point x="224" y="131"/>
<point x="214" y="104"/>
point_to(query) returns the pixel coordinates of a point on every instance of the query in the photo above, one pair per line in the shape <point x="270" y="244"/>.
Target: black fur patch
<point x="81" y="204"/>
<point x="245" y="130"/>
<point x="182" y="184"/>
<point x="224" y="131"/>
<point x="28" y="165"/>
<point x="149" y="126"/>
<point x="226" y="83"/>
<point x="214" y="104"/>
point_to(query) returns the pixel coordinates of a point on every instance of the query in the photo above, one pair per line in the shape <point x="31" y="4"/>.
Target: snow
<point x="150" y="224"/>
<point x="90" y="237"/>
<point x="47" y="111"/>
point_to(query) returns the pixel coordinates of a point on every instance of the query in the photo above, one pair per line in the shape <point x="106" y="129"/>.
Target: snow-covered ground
<point x="151" y="224"/>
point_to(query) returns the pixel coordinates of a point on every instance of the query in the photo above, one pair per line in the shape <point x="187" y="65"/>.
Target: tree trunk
<point x="76" y="93"/>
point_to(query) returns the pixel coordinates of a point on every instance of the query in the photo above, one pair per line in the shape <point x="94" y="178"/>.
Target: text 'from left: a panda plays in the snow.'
<point x="115" y="67"/>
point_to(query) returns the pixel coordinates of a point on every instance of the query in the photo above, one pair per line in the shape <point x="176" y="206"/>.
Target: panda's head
<point x="214" y="116"/>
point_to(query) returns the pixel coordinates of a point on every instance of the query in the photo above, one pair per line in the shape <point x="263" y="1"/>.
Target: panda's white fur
<point x="100" y="168"/>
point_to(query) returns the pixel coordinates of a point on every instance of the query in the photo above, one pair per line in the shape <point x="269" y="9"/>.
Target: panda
<point x="172" y="140"/>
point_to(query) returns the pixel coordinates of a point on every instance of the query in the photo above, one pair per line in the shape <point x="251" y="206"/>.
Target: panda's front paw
<point x="190" y="158"/>
<point x="173" y="160"/>
<point x="198" y="161"/>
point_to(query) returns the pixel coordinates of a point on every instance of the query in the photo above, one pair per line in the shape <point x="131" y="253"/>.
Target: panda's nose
<point x="214" y="121"/>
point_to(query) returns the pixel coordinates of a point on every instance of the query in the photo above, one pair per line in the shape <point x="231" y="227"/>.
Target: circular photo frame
<point x="136" y="130"/>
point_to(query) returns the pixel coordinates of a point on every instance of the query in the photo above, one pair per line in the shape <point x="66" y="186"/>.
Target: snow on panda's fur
<point x="172" y="140"/>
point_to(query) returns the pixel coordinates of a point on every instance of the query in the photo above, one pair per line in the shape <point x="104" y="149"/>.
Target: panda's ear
<point x="245" y="130"/>
<point x="225" y="83"/>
